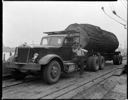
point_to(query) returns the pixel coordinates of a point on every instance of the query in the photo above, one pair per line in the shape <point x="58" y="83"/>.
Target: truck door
<point x="67" y="48"/>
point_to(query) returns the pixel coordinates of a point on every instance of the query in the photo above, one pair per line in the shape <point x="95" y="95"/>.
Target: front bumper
<point x="22" y="66"/>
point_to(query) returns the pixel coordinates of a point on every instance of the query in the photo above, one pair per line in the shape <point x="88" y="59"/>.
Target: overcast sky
<point x="26" y="21"/>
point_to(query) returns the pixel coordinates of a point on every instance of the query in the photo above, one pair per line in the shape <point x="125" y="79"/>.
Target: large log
<point x="94" y="38"/>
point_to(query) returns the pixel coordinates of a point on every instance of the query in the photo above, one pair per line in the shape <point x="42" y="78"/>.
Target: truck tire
<point x="120" y="59"/>
<point x="117" y="59"/>
<point x="17" y="75"/>
<point x="101" y="62"/>
<point x="89" y="60"/>
<point x="93" y="63"/>
<point x="51" y="72"/>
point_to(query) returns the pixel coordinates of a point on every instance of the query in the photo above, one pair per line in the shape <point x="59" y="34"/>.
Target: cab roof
<point x="65" y="33"/>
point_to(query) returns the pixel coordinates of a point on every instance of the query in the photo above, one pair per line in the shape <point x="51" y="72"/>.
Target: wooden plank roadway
<point x="12" y="82"/>
<point x="98" y="90"/>
<point x="76" y="88"/>
<point x="63" y="89"/>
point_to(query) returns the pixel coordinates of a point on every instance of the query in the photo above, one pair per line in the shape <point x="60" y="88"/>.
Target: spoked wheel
<point x="52" y="72"/>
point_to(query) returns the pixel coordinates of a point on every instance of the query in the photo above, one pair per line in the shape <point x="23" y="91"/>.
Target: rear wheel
<point x="120" y="59"/>
<point x="93" y="63"/>
<point x="89" y="60"/>
<point x="51" y="72"/>
<point x="117" y="59"/>
<point x="101" y="62"/>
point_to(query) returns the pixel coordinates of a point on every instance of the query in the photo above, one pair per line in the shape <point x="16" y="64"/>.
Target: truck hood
<point x="25" y="53"/>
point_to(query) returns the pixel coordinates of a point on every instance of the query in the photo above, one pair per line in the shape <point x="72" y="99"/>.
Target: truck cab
<point x="61" y="44"/>
<point x="51" y="58"/>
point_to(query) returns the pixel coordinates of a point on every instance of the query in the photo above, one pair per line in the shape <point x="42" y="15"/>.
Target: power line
<point x="114" y="12"/>
<point x="113" y="18"/>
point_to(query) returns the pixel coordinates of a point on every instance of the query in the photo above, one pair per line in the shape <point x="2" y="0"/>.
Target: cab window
<point x="68" y="41"/>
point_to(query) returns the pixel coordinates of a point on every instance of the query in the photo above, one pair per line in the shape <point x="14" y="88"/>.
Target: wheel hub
<point x="54" y="71"/>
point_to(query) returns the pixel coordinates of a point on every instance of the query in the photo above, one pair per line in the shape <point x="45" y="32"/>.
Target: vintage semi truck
<point x="54" y="55"/>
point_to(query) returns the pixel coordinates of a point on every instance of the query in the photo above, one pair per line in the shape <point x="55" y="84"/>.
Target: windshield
<point x="52" y="41"/>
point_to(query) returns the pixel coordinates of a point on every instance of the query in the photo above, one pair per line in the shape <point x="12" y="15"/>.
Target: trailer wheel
<point x="101" y="62"/>
<point x="120" y="59"/>
<point x="117" y="60"/>
<point x="51" y="72"/>
<point x="17" y="75"/>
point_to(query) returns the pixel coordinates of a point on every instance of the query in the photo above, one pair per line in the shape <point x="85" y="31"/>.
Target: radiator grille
<point x="22" y="55"/>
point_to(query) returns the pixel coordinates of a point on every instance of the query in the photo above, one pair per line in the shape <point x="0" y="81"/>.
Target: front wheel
<point x="52" y="72"/>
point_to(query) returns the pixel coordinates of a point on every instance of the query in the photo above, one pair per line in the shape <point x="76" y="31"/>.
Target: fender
<point x="46" y="59"/>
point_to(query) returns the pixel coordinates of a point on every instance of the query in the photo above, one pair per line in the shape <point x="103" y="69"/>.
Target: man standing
<point x="79" y="56"/>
